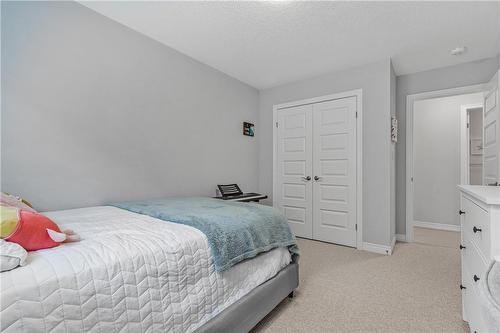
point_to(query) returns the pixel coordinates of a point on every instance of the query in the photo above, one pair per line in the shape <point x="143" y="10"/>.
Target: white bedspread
<point x="130" y="272"/>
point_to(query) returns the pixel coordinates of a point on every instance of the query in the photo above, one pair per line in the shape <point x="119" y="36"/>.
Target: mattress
<point x="130" y="272"/>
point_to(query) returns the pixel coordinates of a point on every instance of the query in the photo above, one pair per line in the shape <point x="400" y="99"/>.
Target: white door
<point x="294" y="168"/>
<point x="334" y="176"/>
<point x="491" y="132"/>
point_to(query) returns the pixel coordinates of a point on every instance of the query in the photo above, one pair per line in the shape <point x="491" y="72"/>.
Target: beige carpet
<point x="346" y="290"/>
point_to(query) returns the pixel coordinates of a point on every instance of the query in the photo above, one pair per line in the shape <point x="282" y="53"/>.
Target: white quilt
<point x="130" y="272"/>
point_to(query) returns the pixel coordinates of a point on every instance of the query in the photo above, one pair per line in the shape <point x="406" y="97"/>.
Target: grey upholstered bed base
<point x="243" y="315"/>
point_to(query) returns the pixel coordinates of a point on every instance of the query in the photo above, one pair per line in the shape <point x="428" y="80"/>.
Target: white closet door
<point x="491" y="123"/>
<point x="334" y="162"/>
<point x="294" y="165"/>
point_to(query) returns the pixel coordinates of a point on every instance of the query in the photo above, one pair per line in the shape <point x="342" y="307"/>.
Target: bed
<point x="133" y="272"/>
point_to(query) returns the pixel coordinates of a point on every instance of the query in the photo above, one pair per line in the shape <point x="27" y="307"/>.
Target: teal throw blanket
<point x="235" y="230"/>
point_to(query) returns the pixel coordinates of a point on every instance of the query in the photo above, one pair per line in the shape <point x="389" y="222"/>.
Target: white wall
<point x="94" y="112"/>
<point x="442" y="78"/>
<point x="437" y="158"/>
<point x="374" y="79"/>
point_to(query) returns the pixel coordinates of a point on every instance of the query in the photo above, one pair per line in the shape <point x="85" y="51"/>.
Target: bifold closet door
<point x="334" y="175"/>
<point x="294" y="164"/>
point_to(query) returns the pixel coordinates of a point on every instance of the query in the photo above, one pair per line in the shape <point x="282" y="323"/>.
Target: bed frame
<point x="244" y="314"/>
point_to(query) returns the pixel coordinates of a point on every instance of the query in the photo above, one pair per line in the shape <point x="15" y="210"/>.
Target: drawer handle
<point x="461" y="212"/>
<point x="476" y="278"/>
<point x="476" y="229"/>
<point x="462" y="287"/>
<point x="462" y="247"/>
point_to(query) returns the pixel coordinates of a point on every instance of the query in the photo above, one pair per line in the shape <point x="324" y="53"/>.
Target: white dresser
<point x="480" y="221"/>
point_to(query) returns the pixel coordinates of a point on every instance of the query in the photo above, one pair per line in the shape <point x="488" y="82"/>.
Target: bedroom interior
<point x="250" y="166"/>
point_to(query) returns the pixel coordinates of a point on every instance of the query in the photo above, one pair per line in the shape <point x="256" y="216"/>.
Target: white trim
<point x="437" y="226"/>
<point x="393" y="244"/>
<point x="358" y="93"/>
<point x="464" y="142"/>
<point x="377" y="248"/>
<point x="410" y="101"/>
<point x="401" y="237"/>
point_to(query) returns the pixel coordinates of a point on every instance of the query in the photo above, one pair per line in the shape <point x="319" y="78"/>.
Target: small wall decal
<point x="248" y="129"/>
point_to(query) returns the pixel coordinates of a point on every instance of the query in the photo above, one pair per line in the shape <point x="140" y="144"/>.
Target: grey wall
<point x="436" y="140"/>
<point x="443" y="78"/>
<point x="374" y="79"/>
<point x="94" y="112"/>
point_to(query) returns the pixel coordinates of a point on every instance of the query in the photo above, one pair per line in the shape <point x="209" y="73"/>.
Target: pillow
<point x="13" y="201"/>
<point x="12" y="255"/>
<point x="31" y="230"/>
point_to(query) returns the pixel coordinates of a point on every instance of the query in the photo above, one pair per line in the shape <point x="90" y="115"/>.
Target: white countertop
<point x="487" y="194"/>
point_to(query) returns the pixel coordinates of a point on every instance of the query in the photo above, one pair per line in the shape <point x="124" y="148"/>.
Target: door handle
<point x="476" y="229"/>
<point x="476" y="278"/>
<point x="460" y="212"/>
<point x="308" y="178"/>
<point x="316" y="178"/>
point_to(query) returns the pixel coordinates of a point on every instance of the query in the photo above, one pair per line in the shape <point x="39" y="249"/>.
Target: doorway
<point x="471" y="144"/>
<point x="435" y="155"/>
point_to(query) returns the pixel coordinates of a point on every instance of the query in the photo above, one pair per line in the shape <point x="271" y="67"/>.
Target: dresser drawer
<point x="476" y="225"/>
<point x="472" y="262"/>
<point x="473" y="308"/>
<point x="474" y="269"/>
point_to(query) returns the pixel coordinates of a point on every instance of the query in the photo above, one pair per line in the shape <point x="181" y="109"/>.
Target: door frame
<point x="465" y="140"/>
<point x="410" y="101"/>
<point x="358" y="93"/>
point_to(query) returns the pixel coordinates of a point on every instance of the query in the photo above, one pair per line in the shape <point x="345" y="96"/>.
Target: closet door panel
<point x="294" y="164"/>
<point x="334" y="165"/>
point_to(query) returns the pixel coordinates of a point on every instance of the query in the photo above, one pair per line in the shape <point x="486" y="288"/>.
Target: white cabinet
<point x="480" y="222"/>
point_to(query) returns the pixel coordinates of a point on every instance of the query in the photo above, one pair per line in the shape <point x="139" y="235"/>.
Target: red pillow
<point x="35" y="231"/>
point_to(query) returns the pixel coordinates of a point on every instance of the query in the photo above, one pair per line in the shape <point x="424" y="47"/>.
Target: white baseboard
<point x="438" y="226"/>
<point x="393" y="244"/>
<point x="377" y="248"/>
<point x="401" y="237"/>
